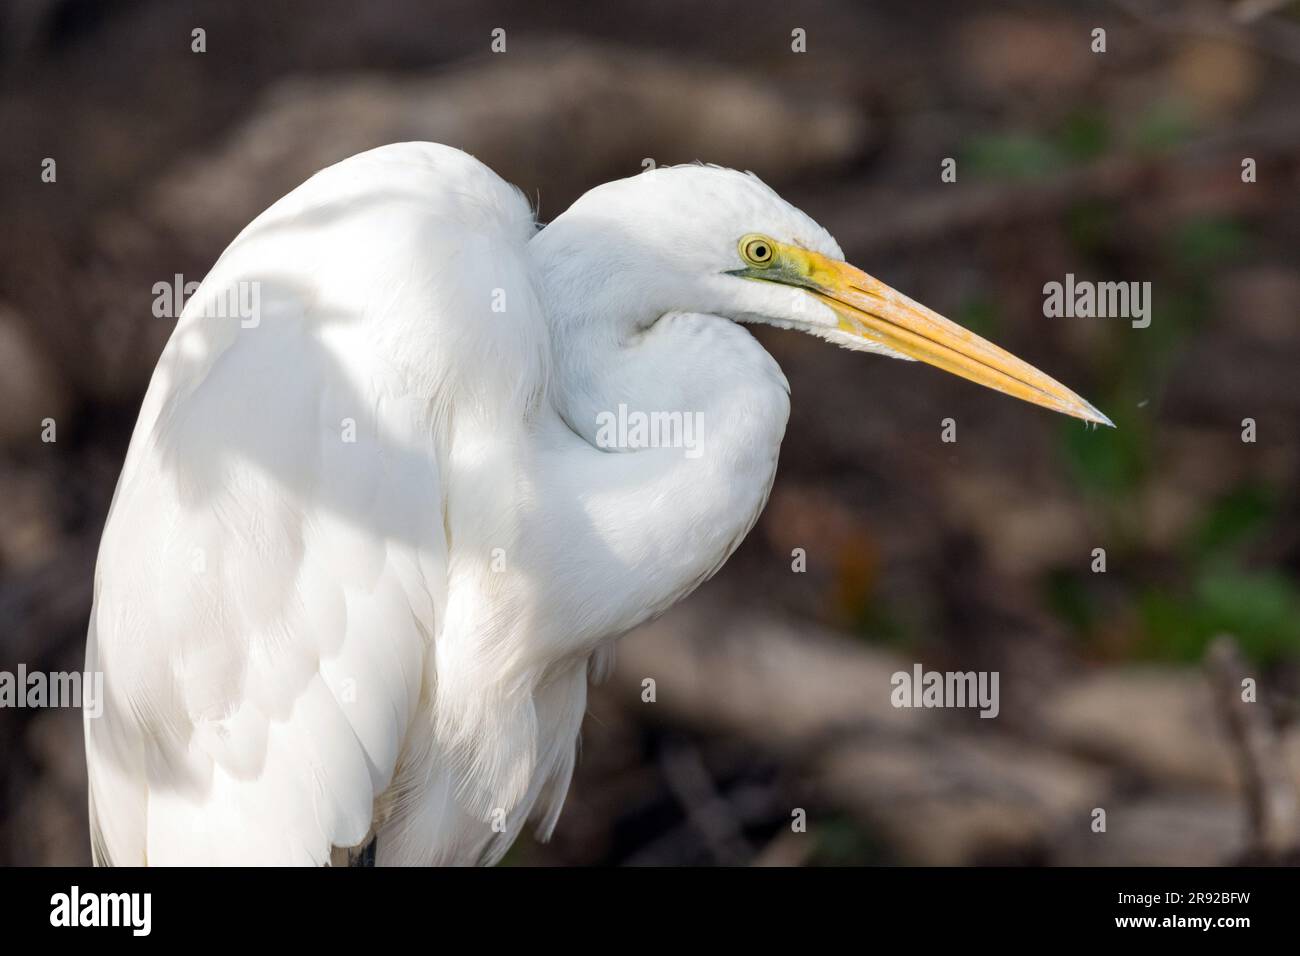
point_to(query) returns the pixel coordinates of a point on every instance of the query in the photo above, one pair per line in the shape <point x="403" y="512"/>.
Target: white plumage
<point x="364" y="551"/>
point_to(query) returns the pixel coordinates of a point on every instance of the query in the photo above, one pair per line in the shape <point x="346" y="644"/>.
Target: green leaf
<point x="1261" y="609"/>
<point x="1084" y="136"/>
<point x="1012" y="155"/>
<point x="1207" y="240"/>
<point x="1233" y="520"/>
<point x="1106" y="460"/>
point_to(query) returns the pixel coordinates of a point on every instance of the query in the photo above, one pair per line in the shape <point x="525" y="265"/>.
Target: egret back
<point x="273" y="576"/>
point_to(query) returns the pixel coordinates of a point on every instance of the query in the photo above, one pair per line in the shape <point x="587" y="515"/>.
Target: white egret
<point x="368" y="544"/>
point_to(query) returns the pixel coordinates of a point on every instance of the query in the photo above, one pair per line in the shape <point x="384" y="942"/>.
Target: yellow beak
<point x="869" y="309"/>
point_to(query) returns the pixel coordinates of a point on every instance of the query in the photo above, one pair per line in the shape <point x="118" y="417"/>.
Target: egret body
<point x="368" y="545"/>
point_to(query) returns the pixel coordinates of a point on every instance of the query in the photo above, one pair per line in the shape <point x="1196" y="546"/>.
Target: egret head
<point x="707" y="239"/>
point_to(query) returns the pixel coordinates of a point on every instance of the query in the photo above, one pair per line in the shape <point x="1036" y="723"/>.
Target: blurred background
<point x="772" y="687"/>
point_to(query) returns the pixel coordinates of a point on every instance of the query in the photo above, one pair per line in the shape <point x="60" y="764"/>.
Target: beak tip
<point x="1091" y="414"/>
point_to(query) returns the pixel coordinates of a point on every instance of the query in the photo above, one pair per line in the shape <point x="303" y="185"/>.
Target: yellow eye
<point x="758" y="251"/>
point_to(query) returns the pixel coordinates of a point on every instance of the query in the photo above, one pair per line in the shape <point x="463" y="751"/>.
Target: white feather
<point x="308" y="641"/>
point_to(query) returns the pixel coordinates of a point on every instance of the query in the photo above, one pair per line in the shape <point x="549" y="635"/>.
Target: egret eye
<point x="757" y="251"/>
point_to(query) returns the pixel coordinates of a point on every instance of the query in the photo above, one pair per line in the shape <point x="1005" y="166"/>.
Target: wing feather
<point x="273" y="574"/>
